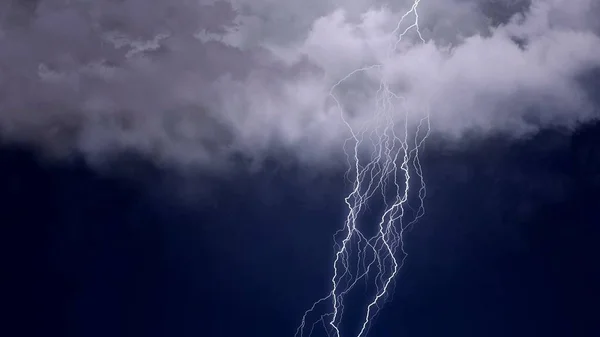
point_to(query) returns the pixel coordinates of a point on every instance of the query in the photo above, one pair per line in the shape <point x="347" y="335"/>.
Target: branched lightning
<point x="383" y="175"/>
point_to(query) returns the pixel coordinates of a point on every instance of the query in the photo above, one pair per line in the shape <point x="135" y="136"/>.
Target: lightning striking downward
<point x="383" y="157"/>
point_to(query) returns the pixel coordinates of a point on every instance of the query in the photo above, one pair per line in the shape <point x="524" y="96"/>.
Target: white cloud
<point x="196" y="81"/>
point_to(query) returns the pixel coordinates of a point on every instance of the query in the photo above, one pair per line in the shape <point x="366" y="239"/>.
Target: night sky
<point x="178" y="168"/>
<point x="508" y="246"/>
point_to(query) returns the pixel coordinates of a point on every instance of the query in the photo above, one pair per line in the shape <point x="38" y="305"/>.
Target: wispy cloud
<point x="199" y="81"/>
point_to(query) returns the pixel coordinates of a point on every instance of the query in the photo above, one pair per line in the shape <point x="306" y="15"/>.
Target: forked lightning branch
<point x="383" y="156"/>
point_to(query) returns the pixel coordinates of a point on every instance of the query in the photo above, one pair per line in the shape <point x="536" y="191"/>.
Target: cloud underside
<point x="200" y="82"/>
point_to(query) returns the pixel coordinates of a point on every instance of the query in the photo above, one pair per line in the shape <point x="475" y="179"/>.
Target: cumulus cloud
<point x="198" y="82"/>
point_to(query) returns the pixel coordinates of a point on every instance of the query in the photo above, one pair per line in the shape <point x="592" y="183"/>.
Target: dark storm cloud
<point x="198" y="81"/>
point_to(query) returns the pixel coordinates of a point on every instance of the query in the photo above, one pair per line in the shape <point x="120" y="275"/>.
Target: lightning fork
<point x="387" y="171"/>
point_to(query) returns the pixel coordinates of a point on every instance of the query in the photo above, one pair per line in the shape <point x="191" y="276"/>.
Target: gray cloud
<point x="196" y="82"/>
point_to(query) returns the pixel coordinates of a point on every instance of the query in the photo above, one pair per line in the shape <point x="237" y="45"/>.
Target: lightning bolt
<point x="384" y="174"/>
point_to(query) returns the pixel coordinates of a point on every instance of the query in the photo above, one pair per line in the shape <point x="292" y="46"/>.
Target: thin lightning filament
<point x="385" y="174"/>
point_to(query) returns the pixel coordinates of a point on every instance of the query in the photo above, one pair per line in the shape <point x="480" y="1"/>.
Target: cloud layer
<point x="197" y="82"/>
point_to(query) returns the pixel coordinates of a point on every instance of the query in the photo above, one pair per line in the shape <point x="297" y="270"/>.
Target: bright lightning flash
<point x="385" y="174"/>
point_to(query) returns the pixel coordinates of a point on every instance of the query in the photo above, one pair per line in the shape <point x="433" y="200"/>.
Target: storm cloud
<point x="198" y="82"/>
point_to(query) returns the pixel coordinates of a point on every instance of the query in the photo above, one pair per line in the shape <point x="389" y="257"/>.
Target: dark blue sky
<point x="508" y="246"/>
